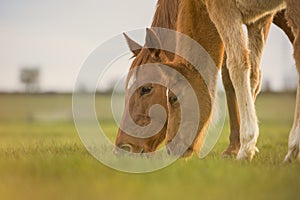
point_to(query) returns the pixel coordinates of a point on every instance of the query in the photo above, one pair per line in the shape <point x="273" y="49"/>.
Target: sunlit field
<point x="42" y="157"/>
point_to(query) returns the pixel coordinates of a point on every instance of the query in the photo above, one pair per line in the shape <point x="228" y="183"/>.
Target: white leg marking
<point x="294" y="138"/>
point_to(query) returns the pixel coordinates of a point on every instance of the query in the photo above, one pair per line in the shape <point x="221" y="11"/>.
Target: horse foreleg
<point x="257" y="34"/>
<point x="228" y="21"/>
<point x="234" y="118"/>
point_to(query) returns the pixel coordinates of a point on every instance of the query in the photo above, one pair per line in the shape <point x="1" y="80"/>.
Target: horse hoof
<point x="227" y="155"/>
<point x="293" y="154"/>
<point x="230" y="152"/>
<point x="246" y="155"/>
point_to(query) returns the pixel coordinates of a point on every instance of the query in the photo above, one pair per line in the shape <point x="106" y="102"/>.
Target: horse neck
<point x="194" y="21"/>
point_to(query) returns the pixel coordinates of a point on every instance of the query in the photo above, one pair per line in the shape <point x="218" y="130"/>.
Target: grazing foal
<point x="228" y="17"/>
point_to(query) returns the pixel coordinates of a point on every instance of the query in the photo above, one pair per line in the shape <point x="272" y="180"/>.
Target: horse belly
<point x="293" y="14"/>
<point x="252" y="10"/>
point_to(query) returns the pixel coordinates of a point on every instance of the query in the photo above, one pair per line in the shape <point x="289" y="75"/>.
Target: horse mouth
<point x="126" y="147"/>
<point x="180" y="151"/>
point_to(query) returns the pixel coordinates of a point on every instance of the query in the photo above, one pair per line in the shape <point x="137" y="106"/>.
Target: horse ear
<point x="134" y="47"/>
<point x="152" y="43"/>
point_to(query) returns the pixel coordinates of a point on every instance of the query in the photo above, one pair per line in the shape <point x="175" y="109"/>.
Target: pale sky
<point x="59" y="35"/>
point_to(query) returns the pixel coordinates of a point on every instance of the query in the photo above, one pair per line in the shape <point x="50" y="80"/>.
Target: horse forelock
<point x="165" y="17"/>
<point x="140" y="59"/>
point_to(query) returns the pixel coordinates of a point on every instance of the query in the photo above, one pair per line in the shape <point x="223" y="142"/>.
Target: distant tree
<point x="30" y="78"/>
<point x="290" y="80"/>
<point x="111" y="86"/>
<point x="116" y="86"/>
<point x="267" y="86"/>
<point x="82" y="88"/>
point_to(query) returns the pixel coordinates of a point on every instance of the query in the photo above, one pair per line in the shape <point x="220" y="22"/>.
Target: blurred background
<point x="43" y="44"/>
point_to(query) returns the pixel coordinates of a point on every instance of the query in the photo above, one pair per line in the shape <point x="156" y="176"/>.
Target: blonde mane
<point x="166" y="14"/>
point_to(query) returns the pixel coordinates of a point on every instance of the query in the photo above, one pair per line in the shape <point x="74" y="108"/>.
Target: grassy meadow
<point x="42" y="157"/>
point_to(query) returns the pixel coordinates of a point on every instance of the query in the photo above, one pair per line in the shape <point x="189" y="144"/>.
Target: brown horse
<point x="228" y="17"/>
<point x="139" y="105"/>
<point x="166" y="17"/>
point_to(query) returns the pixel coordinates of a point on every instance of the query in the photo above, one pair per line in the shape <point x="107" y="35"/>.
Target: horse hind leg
<point x="281" y="21"/>
<point x="257" y="34"/>
<point x="293" y="17"/>
<point x="294" y="138"/>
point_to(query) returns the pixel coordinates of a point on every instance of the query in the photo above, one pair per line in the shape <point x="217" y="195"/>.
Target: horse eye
<point x="146" y="90"/>
<point x="173" y="99"/>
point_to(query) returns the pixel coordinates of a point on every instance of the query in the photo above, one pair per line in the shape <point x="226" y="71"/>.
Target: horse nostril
<point x="126" y="147"/>
<point x="168" y="151"/>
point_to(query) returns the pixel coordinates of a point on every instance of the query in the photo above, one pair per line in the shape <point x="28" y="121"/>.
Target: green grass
<point x="42" y="157"/>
